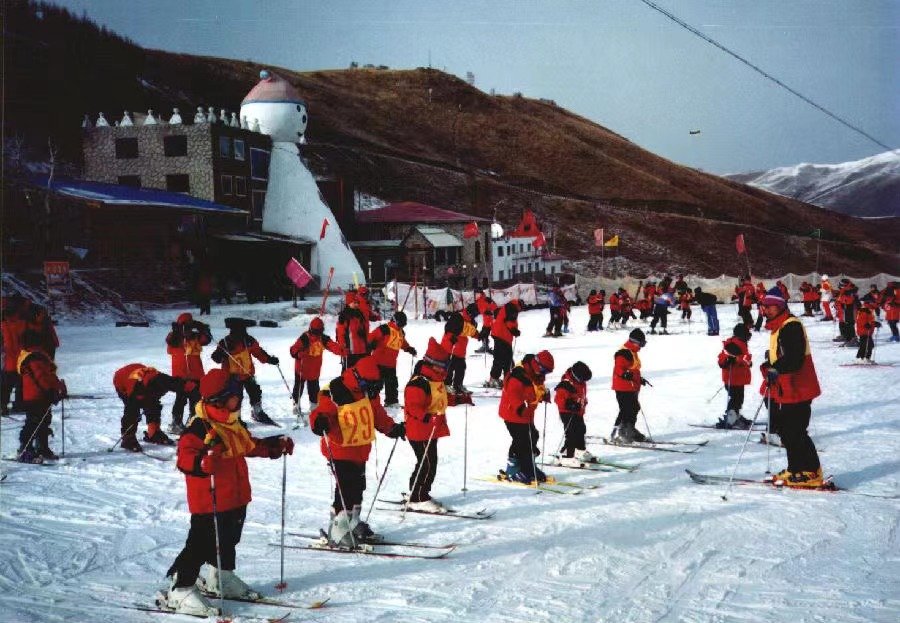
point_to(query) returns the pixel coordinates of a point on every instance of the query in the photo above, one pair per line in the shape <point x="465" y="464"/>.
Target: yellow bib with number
<point x="395" y="339"/>
<point x="192" y="347"/>
<point x="357" y="422"/>
<point x="315" y="349"/>
<point x="438" y="405"/>
<point x="240" y="363"/>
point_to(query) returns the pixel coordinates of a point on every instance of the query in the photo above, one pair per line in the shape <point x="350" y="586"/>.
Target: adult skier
<point x="211" y="455"/>
<point x="707" y="303"/>
<point x="789" y="385"/>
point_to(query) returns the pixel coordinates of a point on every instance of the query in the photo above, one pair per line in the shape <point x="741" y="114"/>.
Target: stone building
<point x="212" y="160"/>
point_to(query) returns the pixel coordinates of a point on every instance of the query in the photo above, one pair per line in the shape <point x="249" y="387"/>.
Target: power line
<point x="712" y="41"/>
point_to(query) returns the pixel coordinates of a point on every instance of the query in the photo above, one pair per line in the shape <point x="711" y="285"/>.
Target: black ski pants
<point x="349" y="480"/>
<point x="503" y="358"/>
<point x="554" y="327"/>
<point x="660" y="315"/>
<point x="38" y="418"/>
<point x="866" y="346"/>
<point x="131" y="416"/>
<point x="183" y="398"/>
<point x="456" y="372"/>
<point x="628" y="408"/>
<point x="391" y="385"/>
<point x="200" y="546"/>
<point x="744" y="313"/>
<point x="574" y="427"/>
<point x="893" y="325"/>
<point x="425" y="468"/>
<point x="595" y="322"/>
<point x="790" y="421"/>
<point x="735" y="397"/>
<point x="254" y="392"/>
<point x="524" y="446"/>
<point x="312" y="389"/>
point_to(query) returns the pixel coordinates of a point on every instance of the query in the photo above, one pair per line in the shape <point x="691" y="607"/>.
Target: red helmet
<point x="218" y="384"/>
<point x="184" y="318"/>
<point x="544" y="361"/>
<point x="316" y="324"/>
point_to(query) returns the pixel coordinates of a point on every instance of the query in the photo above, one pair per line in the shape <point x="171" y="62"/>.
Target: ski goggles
<point x="232" y="388"/>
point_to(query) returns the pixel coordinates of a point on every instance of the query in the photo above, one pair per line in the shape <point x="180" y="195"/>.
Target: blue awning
<point x="117" y="195"/>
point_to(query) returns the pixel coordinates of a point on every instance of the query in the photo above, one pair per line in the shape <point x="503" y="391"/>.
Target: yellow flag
<point x="612" y="242"/>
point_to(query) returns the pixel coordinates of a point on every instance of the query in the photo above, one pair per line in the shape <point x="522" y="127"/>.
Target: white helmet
<point x="824" y="277"/>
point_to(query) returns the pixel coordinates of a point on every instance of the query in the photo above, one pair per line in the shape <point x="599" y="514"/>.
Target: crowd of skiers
<point x="348" y="411"/>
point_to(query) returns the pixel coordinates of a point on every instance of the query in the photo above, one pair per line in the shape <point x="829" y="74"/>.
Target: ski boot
<point x="130" y="443"/>
<point x="804" y="480"/>
<point x="29" y="455"/>
<point x="340" y="533"/>
<point x="154" y="434"/>
<point x="362" y="532"/>
<point x="233" y="587"/>
<point x="176" y="427"/>
<point x="187" y="600"/>
<point x="426" y="504"/>
<point x="585" y="457"/>
<point x="258" y="415"/>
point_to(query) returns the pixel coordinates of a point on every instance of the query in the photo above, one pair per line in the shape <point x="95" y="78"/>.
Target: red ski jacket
<point x="12" y="327"/>
<point x="425" y="403"/>
<point x="236" y="352"/>
<point x="521" y="396"/>
<point x="39" y="380"/>
<point x="184" y="345"/>
<point x="865" y="322"/>
<point x="789" y="354"/>
<point x="352" y="331"/>
<point x="735" y="367"/>
<point x="386" y="341"/>
<point x="596" y="303"/>
<point x="626" y="360"/>
<point x="571" y="395"/>
<point x="505" y="322"/>
<point x="307" y="353"/>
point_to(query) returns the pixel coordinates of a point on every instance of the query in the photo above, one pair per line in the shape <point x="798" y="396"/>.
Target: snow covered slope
<point x="81" y="540"/>
<point x="867" y="187"/>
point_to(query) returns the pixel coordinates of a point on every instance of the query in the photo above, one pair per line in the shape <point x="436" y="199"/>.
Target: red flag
<point x="598" y="237"/>
<point x="470" y="230"/>
<point x="528" y="226"/>
<point x="539" y="240"/>
<point x="739" y="244"/>
<point x="324" y="227"/>
<point x="296" y="273"/>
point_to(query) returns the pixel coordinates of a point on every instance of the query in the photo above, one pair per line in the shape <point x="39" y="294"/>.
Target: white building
<point x="516" y="258"/>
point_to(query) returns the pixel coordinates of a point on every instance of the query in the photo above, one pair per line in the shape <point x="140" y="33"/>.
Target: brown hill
<point x="423" y="135"/>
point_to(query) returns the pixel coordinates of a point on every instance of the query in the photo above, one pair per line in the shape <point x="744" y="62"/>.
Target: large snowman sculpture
<point x="294" y="205"/>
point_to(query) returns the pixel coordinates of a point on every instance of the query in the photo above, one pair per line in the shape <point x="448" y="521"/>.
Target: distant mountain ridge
<point x="866" y="187"/>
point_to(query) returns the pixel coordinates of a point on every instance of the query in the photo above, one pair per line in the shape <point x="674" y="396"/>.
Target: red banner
<point x="739" y="244"/>
<point x="470" y="230"/>
<point x="598" y="237"/>
<point x="539" y="240"/>
<point x="324" y="227"/>
<point x="296" y="273"/>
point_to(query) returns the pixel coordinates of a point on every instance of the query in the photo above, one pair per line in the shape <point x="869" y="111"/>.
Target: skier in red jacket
<point x="349" y="412"/>
<point x="307" y="353"/>
<point x="735" y="361"/>
<point x="385" y="343"/>
<point x="236" y="353"/>
<point x="425" y="402"/>
<point x="596" y="301"/>
<point x="140" y="387"/>
<point x="571" y="400"/>
<point x="184" y="343"/>
<point x="41" y="388"/>
<point x="504" y="330"/>
<point x="627" y="382"/>
<point x="866" y="323"/>
<point x="215" y="445"/>
<point x="352" y="331"/>
<point x="523" y="390"/>
<point x="457" y="331"/>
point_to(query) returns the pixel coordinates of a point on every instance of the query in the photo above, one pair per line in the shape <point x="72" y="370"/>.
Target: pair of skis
<point x="827" y="485"/>
<point x="551" y="485"/>
<point x="385" y="549"/>
<point x="160" y="607"/>
<point x="680" y="447"/>
<point x="399" y="506"/>
<point x="595" y="465"/>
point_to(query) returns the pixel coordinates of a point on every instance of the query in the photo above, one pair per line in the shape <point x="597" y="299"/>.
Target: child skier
<point x="865" y="328"/>
<point x="596" y="301"/>
<point x="184" y="344"/>
<point x="348" y="413"/>
<point x="627" y="383"/>
<point x="385" y="343"/>
<point x="457" y="331"/>
<point x="425" y="402"/>
<point x="735" y="361"/>
<point x="212" y="456"/>
<point x="571" y="400"/>
<point x="523" y="390"/>
<point x="685" y="298"/>
<point x="504" y="330"/>
<point x="352" y="331"/>
<point x="140" y="387"/>
<point x="307" y="353"/>
<point x="235" y="353"/>
<point x="41" y="388"/>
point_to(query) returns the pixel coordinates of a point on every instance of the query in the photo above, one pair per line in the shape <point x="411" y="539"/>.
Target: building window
<point x="178" y="183"/>
<point x="451" y="255"/>
<point x="552" y="270"/>
<point x="226" y="185"/>
<point x="529" y="266"/>
<point x="509" y="249"/>
<point x="225" y="146"/>
<point x="521" y="248"/>
<point x="259" y="202"/>
<point x="240" y="186"/>
<point x="477" y="251"/>
<point x="175" y="145"/>
<point x="439" y="256"/>
<point x="239" y="149"/>
<point x="500" y="251"/>
<point x="259" y="164"/>
<point x="528" y="247"/>
<point x="130" y="180"/>
<point x="501" y="275"/>
<point x="126" y="148"/>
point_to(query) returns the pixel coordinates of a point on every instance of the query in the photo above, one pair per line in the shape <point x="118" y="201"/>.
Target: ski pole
<point x="465" y="449"/>
<point x="531" y="453"/>
<point x="130" y="429"/>
<point x="544" y="438"/>
<point x="743" y="447"/>
<point x="710" y="399"/>
<point x="26" y="445"/>
<point x="415" y="482"/>
<point x="768" y="396"/>
<point x="381" y="480"/>
<point x="282" y="584"/>
<point x="646" y="424"/>
<point x="62" y="419"/>
<point x="212" y="493"/>
<point x="337" y="484"/>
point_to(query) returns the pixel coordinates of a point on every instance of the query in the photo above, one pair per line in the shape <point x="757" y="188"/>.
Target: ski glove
<point x="212" y="459"/>
<point x="771" y="375"/>
<point x="282" y="445"/>
<point x="320" y="425"/>
<point x="189" y="386"/>
<point x="646" y="382"/>
<point x="412" y="351"/>
<point x="397" y="430"/>
<point x="572" y="405"/>
<point x="515" y="332"/>
<point x="273" y="360"/>
<point x="627" y="375"/>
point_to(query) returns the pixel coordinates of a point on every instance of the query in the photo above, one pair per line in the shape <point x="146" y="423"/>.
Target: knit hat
<point x="545" y="361"/>
<point x="400" y="319"/>
<point x="184" y="318"/>
<point x="317" y="325"/>
<point x="637" y="336"/>
<point x="581" y="372"/>
<point x="367" y="368"/>
<point x="435" y="355"/>
<point x="775" y="298"/>
<point x="218" y="384"/>
<point x="741" y="331"/>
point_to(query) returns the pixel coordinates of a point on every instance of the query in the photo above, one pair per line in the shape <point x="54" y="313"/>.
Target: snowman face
<point x="283" y="121"/>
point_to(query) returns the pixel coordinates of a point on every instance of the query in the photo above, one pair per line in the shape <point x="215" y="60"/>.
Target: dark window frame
<point x="175" y="145"/>
<point x="240" y="186"/>
<point x="243" y="150"/>
<point x="171" y="185"/>
<point x="227" y="188"/>
<point x="124" y="147"/>
<point x="126" y="180"/>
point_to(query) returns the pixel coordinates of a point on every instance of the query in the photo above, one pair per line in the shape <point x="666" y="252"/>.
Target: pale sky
<point x="617" y="62"/>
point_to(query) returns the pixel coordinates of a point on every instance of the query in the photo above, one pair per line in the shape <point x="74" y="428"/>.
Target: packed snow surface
<point x="81" y="540"/>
